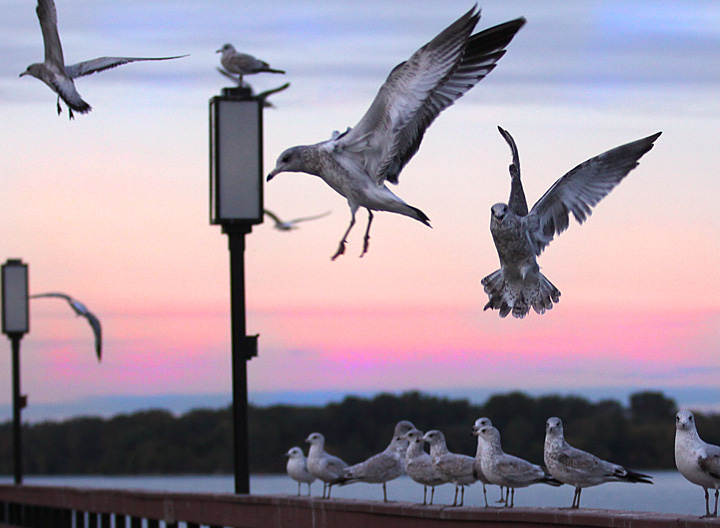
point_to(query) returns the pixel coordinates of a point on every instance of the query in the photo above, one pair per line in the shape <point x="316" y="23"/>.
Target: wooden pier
<point x="64" y="507"/>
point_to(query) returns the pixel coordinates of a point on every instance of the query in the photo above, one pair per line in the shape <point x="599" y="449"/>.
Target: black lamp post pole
<point x="17" y="407"/>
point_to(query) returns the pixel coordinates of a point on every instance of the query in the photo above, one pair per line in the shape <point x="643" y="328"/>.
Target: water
<point x="670" y="493"/>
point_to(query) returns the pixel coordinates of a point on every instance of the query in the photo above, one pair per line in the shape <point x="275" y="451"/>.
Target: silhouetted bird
<point x="81" y="310"/>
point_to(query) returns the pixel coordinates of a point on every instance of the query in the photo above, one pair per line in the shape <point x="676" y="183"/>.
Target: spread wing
<point x="581" y="189"/>
<point x="47" y="15"/>
<point x="105" y="63"/>
<point x="517" y="201"/>
<point x="416" y="91"/>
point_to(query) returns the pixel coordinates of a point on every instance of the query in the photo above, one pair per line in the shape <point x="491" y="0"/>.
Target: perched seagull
<point x="57" y="75"/>
<point x="289" y="225"/>
<point x="242" y="64"/>
<point x="477" y="463"/>
<point x="697" y="461"/>
<point x="579" y="468"/>
<point x="508" y="470"/>
<point x="297" y="468"/>
<point x="81" y="310"/>
<point x="521" y="236"/>
<point x="358" y="162"/>
<point x="419" y="465"/>
<point x="453" y="467"/>
<point x="385" y="466"/>
<point x="326" y="467"/>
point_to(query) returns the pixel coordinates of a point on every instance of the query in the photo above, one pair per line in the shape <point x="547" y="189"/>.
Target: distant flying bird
<point x="328" y="468"/>
<point x="578" y="468"/>
<point x="242" y="64"/>
<point x="696" y="460"/>
<point x="508" y="470"/>
<point x="521" y="236"/>
<point x="297" y="468"/>
<point x="57" y="75"/>
<point x="81" y="310"/>
<point x="289" y="225"/>
<point x="358" y="162"/>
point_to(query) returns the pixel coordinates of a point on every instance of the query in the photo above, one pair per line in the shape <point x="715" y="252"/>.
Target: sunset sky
<point x="112" y="207"/>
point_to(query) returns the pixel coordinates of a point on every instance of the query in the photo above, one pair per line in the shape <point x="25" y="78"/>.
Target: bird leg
<point x="485" y="494"/>
<point x="309" y="484"/>
<point x="432" y="495"/>
<point x="462" y="495"/>
<point x="576" y="499"/>
<point x="366" y="238"/>
<point x="424" y="495"/>
<point x="455" y="501"/>
<point x="503" y="498"/>
<point x="384" y="493"/>
<point x="341" y="247"/>
<point x="511" y="494"/>
<point x="59" y="108"/>
<point x="716" y="502"/>
<point x="299" y="483"/>
<point x="329" y="490"/>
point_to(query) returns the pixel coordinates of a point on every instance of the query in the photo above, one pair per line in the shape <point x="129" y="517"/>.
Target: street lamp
<point x="236" y="204"/>
<point x="15" y="324"/>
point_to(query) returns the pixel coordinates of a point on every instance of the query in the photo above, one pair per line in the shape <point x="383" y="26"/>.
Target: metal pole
<point x="17" y="407"/>
<point x="240" y="356"/>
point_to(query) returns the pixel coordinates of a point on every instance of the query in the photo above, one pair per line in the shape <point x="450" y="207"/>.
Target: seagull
<point x="358" y="162"/>
<point x="297" y="468"/>
<point x="57" y="75"/>
<point x="508" y="470"/>
<point x="326" y="467"/>
<point x="453" y="467"/>
<point x="385" y="466"/>
<point x="477" y="463"/>
<point x="697" y="461"/>
<point x="242" y="64"/>
<point x="579" y="468"/>
<point x="289" y="225"/>
<point x="262" y="96"/>
<point x="419" y="465"/>
<point x="81" y="310"/>
<point x="521" y="236"/>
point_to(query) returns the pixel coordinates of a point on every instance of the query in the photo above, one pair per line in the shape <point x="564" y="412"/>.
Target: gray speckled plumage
<point x="241" y="64"/>
<point x="520" y="238"/>
<point x="57" y="75"/>
<point x="579" y="468"/>
<point x="358" y="162"/>
<point x="419" y="464"/>
<point x="453" y="467"/>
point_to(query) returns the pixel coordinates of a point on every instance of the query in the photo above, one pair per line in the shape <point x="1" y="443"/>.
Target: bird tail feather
<point x="633" y="476"/>
<point x="517" y="296"/>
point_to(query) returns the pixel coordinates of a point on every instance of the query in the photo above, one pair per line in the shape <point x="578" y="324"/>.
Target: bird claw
<point x="366" y="245"/>
<point x="340" y="250"/>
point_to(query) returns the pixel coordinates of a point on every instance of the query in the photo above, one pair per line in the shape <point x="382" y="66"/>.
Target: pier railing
<point x="62" y="507"/>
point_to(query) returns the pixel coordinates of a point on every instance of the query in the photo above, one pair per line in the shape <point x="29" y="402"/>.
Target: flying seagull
<point x="521" y="236"/>
<point x="578" y="468"/>
<point x="242" y="64"/>
<point x="328" y="468"/>
<point x="81" y="310"/>
<point x="358" y="162"/>
<point x="289" y="225"/>
<point x="57" y="75"/>
<point x="297" y="468"/>
<point x="696" y="460"/>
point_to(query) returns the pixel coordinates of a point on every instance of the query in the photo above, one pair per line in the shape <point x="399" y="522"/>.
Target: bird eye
<point x="285" y="158"/>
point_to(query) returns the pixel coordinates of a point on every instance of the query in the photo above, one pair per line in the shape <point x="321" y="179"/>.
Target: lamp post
<point x="236" y="204"/>
<point x="15" y="323"/>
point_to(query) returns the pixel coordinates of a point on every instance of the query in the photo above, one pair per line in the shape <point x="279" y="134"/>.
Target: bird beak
<point x="219" y="51"/>
<point x="273" y="173"/>
<point x="476" y="431"/>
<point x="23" y="73"/>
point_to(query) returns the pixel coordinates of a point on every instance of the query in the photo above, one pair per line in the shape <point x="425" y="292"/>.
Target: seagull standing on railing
<point x="358" y="162"/>
<point x="81" y="310"/>
<point x="696" y="460"/>
<point x="57" y="75"/>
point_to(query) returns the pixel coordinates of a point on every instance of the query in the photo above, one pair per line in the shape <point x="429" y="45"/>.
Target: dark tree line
<point x="156" y="442"/>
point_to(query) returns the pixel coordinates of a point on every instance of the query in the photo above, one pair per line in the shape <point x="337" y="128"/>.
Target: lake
<point x="670" y="493"/>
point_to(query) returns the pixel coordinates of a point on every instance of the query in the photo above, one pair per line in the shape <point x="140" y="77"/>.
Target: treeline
<point x="156" y="442"/>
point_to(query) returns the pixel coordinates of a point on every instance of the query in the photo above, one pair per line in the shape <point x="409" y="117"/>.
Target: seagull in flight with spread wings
<point x="57" y="75"/>
<point x="81" y="310"/>
<point x="520" y="236"/>
<point x="358" y="162"/>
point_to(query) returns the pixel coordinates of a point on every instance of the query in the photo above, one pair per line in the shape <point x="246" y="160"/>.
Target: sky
<point x="112" y="207"/>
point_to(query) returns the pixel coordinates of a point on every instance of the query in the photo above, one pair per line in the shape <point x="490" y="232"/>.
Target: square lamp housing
<point x="236" y="175"/>
<point x="15" y="306"/>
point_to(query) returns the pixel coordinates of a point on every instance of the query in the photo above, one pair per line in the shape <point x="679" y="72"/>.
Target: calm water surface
<point x="670" y="493"/>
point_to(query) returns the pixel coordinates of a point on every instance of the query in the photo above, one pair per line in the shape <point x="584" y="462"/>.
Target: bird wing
<point x="710" y="463"/>
<point x="375" y="466"/>
<point x="518" y="469"/>
<point x="306" y="218"/>
<point x="47" y="15"/>
<point x="97" y="330"/>
<point x="273" y="216"/>
<point x="415" y="92"/>
<point x="581" y="189"/>
<point x="105" y="63"/>
<point x="334" y="464"/>
<point x="517" y="201"/>
<point x="53" y="294"/>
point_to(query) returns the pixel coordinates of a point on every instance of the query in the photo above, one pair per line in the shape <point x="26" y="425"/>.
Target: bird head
<point x="414" y="436"/>
<point x="489" y="435"/>
<point x="434" y="437"/>
<point x="227" y="47"/>
<point x="315" y="439"/>
<point x="479" y="424"/>
<point x="33" y="69"/>
<point x="499" y="211"/>
<point x="685" y="421"/>
<point x="294" y="452"/>
<point x="291" y="160"/>
<point x="554" y="427"/>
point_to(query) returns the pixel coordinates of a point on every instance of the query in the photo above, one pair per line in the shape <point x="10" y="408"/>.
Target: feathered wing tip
<point x="633" y="476"/>
<point x="420" y="216"/>
<point x="552" y="481"/>
<point x="517" y="297"/>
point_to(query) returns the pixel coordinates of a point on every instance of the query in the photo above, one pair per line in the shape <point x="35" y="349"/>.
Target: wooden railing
<point x="56" y="507"/>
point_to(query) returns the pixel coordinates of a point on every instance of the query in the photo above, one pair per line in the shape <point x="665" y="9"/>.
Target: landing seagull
<point x="57" y="75"/>
<point x="696" y="460"/>
<point x="358" y="162"/>
<point x="385" y="466"/>
<point x="81" y="310"/>
<point x="578" y="468"/>
<point x="521" y="236"/>
<point x="288" y="225"/>
<point x="242" y="64"/>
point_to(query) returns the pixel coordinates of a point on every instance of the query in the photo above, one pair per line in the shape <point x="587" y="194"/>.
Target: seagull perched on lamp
<point x="57" y="75"/>
<point x="241" y="64"/>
